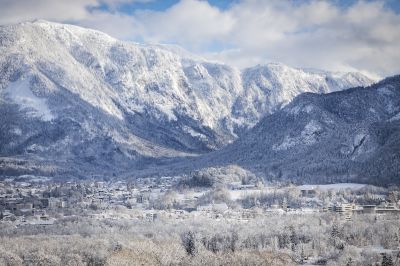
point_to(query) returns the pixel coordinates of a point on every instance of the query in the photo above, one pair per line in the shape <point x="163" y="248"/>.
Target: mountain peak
<point x="46" y="29"/>
<point x="144" y="101"/>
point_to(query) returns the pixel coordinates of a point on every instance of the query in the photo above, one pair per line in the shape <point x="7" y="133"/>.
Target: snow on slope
<point x="162" y="94"/>
<point x="351" y="135"/>
<point x="335" y="187"/>
<point x="272" y="86"/>
<point x="20" y="93"/>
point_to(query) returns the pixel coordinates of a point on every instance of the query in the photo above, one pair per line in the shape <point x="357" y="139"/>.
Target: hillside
<point x="79" y="99"/>
<point x="351" y="135"/>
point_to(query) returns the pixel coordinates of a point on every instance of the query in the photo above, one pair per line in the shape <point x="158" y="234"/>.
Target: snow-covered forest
<point x="321" y="239"/>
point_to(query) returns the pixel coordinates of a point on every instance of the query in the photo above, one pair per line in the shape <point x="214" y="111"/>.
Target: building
<point x="25" y="209"/>
<point x="368" y="209"/>
<point x="387" y="208"/>
<point x="344" y="207"/>
<point x="217" y="207"/>
<point x="308" y="191"/>
<point x="55" y="203"/>
<point x="240" y="186"/>
<point x="346" y="210"/>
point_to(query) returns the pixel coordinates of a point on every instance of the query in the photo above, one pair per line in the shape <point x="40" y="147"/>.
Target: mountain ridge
<point x="350" y="135"/>
<point x="102" y="101"/>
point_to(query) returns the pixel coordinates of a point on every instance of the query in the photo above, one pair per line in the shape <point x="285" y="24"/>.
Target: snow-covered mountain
<point x="351" y="135"/>
<point x="270" y="87"/>
<point x="77" y="94"/>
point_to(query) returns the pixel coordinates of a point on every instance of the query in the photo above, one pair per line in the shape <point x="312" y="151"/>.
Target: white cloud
<point x="318" y="34"/>
<point x="189" y="22"/>
<point x="13" y="11"/>
<point x="364" y="36"/>
<point x="80" y="12"/>
<point x="118" y="25"/>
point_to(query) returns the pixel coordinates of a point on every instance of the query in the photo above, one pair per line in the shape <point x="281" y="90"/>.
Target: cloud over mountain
<point x="362" y="35"/>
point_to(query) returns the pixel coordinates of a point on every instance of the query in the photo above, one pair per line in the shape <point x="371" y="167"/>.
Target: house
<point x="100" y="184"/>
<point x="387" y="208"/>
<point x="151" y="216"/>
<point x="308" y="191"/>
<point x="11" y="203"/>
<point x="55" y="203"/>
<point x="344" y="207"/>
<point x="217" y="207"/>
<point x="240" y="186"/>
<point x="8" y="216"/>
<point x="25" y="209"/>
<point x="143" y="197"/>
<point x="368" y="209"/>
<point x="346" y="210"/>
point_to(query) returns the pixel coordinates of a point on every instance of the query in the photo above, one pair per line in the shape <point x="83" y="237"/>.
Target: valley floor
<point x="165" y="221"/>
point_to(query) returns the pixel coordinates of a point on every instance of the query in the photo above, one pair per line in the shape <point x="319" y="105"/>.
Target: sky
<point x="336" y="35"/>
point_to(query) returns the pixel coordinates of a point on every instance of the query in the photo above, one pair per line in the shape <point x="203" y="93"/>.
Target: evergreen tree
<point x="189" y="242"/>
<point x="349" y="262"/>
<point x="387" y="260"/>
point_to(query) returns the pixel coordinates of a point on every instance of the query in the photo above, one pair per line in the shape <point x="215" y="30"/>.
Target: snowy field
<point x="336" y="187"/>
